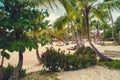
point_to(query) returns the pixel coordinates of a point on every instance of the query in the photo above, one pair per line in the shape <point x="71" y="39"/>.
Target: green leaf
<point x="5" y="54"/>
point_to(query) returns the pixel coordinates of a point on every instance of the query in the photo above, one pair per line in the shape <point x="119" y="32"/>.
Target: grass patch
<point x="115" y="64"/>
<point x="40" y="75"/>
<point x="110" y="44"/>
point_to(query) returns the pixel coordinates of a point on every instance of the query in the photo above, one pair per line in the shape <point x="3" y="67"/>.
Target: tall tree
<point x="117" y="28"/>
<point x="111" y="5"/>
<point x="17" y="23"/>
<point x="86" y="7"/>
<point x="39" y="24"/>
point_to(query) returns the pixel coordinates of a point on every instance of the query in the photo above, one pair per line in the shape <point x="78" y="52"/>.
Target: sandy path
<point x="91" y="73"/>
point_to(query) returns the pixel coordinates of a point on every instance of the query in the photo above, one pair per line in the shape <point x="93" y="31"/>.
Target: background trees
<point x="117" y="28"/>
<point x="86" y="8"/>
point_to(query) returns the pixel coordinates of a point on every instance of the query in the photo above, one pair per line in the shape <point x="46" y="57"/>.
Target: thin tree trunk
<point x="38" y="56"/>
<point x="2" y="61"/>
<point x="101" y="56"/>
<point x="113" y="31"/>
<point x="104" y="31"/>
<point x="1" y="72"/>
<point x="37" y="51"/>
<point x="75" y="35"/>
<point x="16" y="72"/>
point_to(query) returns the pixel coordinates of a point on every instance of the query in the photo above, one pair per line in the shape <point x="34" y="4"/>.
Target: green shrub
<point x="7" y="71"/>
<point x="115" y="64"/>
<point x="87" y="54"/>
<point x="51" y="59"/>
<point x="56" y="60"/>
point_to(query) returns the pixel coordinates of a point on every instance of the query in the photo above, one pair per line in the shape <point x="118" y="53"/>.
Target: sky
<point x="57" y="12"/>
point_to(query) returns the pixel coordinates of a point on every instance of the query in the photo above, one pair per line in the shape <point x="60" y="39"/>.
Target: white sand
<point x="93" y="73"/>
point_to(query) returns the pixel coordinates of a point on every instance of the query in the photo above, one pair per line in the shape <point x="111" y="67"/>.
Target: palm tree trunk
<point x="1" y="73"/>
<point x="16" y="72"/>
<point x="101" y="56"/>
<point x="75" y="35"/>
<point x="113" y="31"/>
<point x="38" y="56"/>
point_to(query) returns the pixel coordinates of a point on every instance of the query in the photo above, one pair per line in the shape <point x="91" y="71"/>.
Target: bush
<point x="88" y="56"/>
<point x="7" y="71"/>
<point x="56" y="60"/>
<point x="51" y="59"/>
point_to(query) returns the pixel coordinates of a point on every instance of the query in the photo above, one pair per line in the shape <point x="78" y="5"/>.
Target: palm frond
<point x="54" y="35"/>
<point x="111" y="4"/>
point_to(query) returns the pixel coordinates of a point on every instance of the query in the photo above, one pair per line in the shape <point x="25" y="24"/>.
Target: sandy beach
<point x="92" y="73"/>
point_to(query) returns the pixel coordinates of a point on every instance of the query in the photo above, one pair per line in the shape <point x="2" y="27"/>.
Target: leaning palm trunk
<point x="38" y="56"/>
<point x="101" y="56"/>
<point x="16" y="72"/>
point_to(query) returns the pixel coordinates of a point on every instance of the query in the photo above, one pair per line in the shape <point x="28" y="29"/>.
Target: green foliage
<point x="110" y="44"/>
<point x="50" y="59"/>
<point x="14" y="25"/>
<point x="108" y="35"/>
<point x="7" y="71"/>
<point x="117" y="25"/>
<point x="18" y="19"/>
<point x="115" y="64"/>
<point x="87" y="54"/>
<point x="45" y="38"/>
<point x="5" y="54"/>
<point x="56" y="60"/>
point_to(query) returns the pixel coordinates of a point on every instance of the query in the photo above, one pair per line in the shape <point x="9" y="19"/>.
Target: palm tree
<point x="62" y="25"/>
<point x="86" y="7"/>
<point x="111" y="5"/>
<point x="99" y="20"/>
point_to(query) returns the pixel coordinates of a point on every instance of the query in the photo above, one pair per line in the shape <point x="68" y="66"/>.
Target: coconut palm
<point x="61" y="25"/>
<point x="99" y="20"/>
<point x="86" y="7"/>
<point x="111" y="5"/>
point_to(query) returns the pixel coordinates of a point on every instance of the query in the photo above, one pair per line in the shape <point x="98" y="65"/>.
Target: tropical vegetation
<point x="57" y="60"/>
<point x="23" y="26"/>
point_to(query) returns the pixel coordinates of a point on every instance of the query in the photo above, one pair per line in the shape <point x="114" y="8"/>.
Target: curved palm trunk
<point x="15" y="73"/>
<point x="101" y="56"/>
<point x="38" y="56"/>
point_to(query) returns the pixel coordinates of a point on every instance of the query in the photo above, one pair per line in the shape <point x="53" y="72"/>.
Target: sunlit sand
<point x="93" y="73"/>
